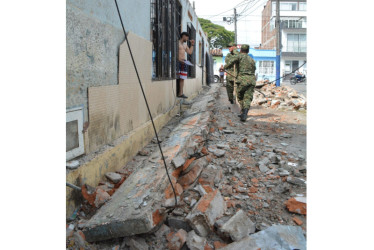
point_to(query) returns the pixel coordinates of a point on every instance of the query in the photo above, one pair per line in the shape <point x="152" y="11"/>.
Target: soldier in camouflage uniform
<point x="231" y="72"/>
<point x="246" y="80"/>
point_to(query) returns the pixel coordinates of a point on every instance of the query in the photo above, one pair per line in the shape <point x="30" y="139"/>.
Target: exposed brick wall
<point x="268" y="40"/>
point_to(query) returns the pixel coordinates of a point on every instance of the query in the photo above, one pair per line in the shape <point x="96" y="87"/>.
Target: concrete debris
<point x="227" y="131"/>
<point x="143" y="153"/>
<point x="114" y="177"/>
<point x="176" y="240"/>
<point x="178" y="161"/>
<point x="284" y="173"/>
<point x="217" y="152"/>
<point x="70" y="230"/>
<point x="274" y="237"/>
<point x="195" y="242"/>
<point x="238" y="226"/>
<point x="263" y="168"/>
<point x="296" y="181"/>
<point x="138" y="244"/>
<point x="80" y="239"/>
<point x="163" y="231"/>
<point x="205" y="212"/>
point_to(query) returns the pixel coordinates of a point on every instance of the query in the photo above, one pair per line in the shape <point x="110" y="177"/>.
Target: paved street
<point x="299" y="87"/>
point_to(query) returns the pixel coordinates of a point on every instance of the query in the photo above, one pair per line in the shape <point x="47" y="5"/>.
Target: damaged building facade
<point x="106" y="117"/>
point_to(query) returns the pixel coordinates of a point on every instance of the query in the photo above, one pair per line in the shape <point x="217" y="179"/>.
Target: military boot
<point x="244" y="115"/>
<point x="241" y="112"/>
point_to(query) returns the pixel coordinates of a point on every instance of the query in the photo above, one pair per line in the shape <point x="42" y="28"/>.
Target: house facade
<point x="293" y="35"/>
<point x="104" y="102"/>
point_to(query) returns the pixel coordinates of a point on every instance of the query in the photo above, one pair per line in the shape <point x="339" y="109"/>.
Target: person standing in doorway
<point x="182" y="66"/>
<point x="221" y="73"/>
<point x="231" y="72"/>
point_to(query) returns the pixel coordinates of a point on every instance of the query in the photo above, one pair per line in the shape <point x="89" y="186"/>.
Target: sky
<point x="249" y="23"/>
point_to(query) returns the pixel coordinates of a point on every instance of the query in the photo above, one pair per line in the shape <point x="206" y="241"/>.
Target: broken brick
<point x="176" y="240"/>
<point x="296" y="205"/>
<point x="253" y="190"/>
<point x="218" y="244"/>
<point x="297" y="221"/>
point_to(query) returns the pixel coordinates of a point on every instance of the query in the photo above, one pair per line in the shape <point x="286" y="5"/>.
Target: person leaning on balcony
<point x="182" y="67"/>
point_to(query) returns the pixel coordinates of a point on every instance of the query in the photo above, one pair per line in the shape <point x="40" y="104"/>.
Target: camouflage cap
<point x="245" y="47"/>
<point x="231" y="44"/>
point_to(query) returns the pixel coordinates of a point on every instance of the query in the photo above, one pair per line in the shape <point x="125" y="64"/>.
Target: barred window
<point x="163" y="37"/>
<point x="192" y="58"/>
<point x="266" y="68"/>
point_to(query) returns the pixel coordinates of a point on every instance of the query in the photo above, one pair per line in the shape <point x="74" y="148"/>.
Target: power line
<point x="238" y="5"/>
<point x="254" y="9"/>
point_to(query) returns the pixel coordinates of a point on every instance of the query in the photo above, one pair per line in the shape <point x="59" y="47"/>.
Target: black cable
<point x="288" y="73"/>
<point x="146" y="102"/>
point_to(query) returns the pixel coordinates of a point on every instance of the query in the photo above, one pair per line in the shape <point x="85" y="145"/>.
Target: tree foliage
<point x="218" y="36"/>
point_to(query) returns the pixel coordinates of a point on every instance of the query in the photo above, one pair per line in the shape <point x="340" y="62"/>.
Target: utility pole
<point x="236" y="31"/>
<point x="277" y="23"/>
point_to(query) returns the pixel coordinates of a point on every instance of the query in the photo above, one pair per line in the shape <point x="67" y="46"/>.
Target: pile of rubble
<point x="220" y="192"/>
<point x="284" y="97"/>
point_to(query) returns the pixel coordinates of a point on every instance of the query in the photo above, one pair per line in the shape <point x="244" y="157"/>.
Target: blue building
<point x="265" y="62"/>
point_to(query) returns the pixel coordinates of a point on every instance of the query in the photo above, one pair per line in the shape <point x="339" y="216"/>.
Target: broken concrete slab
<point x="238" y="226"/>
<point x="195" y="242"/>
<point x="205" y="212"/>
<point x="272" y="238"/>
<point x="135" y="208"/>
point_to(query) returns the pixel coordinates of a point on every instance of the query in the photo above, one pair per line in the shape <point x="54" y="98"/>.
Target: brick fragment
<point x="176" y="240"/>
<point x="296" y="205"/>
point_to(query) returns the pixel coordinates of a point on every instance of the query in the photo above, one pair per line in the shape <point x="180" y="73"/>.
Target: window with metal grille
<point x="192" y="58"/>
<point x="163" y="37"/>
<point x="266" y="68"/>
